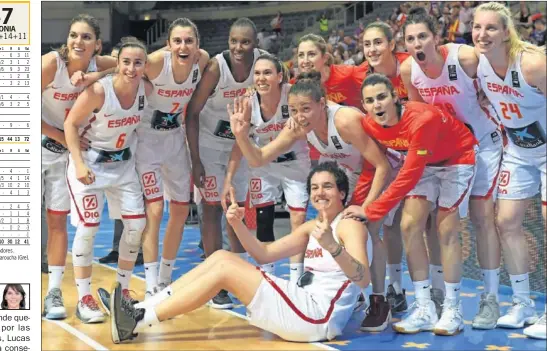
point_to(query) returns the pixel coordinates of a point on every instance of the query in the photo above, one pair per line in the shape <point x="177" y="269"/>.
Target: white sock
<point x="123" y="277"/>
<point x="156" y="299"/>
<point x="55" y="277"/>
<point x="422" y="289"/>
<point x="150" y="319"/>
<point x="84" y="287"/>
<point x="491" y="279"/>
<point x="151" y="275"/>
<point x="395" y="272"/>
<point x="437" y="277"/>
<point x="268" y="268"/>
<point x="453" y="291"/>
<point x="521" y="285"/>
<point x="166" y="268"/>
<point x="296" y="270"/>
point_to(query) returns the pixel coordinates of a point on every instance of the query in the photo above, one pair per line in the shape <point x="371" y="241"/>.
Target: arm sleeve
<point x="421" y="147"/>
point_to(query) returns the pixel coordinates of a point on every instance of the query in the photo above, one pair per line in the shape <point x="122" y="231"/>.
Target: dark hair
<point x="183" y="22"/>
<point x="131" y="42"/>
<point x="245" y="22"/>
<point x="308" y="83"/>
<point x="418" y="15"/>
<point x="382" y="26"/>
<point x="377" y="78"/>
<point x="340" y="177"/>
<point x="279" y="66"/>
<point x="90" y="21"/>
<point x="19" y="289"/>
<point x="320" y="43"/>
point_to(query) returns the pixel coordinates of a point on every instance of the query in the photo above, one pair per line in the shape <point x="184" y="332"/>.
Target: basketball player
<point x="65" y="72"/>
<point x="513" y="76"/>
<point x="112" y="108"/>
<point x="316" y="309"/>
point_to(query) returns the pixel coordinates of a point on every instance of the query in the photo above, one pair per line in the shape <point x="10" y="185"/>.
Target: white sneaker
<point x="537" y="330"/>
<point x="451" y="322"/>
<point x="421" y="317"/>
<point x="522" y="312"/>
<point x="88" y="310"/>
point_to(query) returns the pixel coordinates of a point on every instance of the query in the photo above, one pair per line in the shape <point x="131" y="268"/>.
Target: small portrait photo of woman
<point x="15" y="297"/>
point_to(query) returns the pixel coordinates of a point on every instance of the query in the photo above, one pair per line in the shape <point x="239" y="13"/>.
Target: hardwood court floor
<point x="203" y="329"/>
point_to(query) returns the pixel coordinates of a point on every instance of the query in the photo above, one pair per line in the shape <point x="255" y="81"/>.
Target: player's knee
<point x="507" y="225"/>
<point x="221" y="256"/>
<point x="82" y="247"/>
<point x="56" y="223"/>
<point x="154" y="210"/>
<point x="411" y="225"/>
<point x="133" y="229"/>
<point x="265" y="220"/>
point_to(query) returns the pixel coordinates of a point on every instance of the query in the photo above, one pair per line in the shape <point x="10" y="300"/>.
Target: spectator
<point x="444" y="23"/>
<point x="348" y="60"/>
<point x="277" y="23"/>
<point x="465" y="17"/>
<point x="260" y="36"/>
<point x="324" y="25"/>
<point x="524" y="18"/>
<point x="358" y="31"/>
<point x="333" y="38"/>
<point x="538" y="34"/>
<point x="349" y="43"/>
<point x="453" y="29"/>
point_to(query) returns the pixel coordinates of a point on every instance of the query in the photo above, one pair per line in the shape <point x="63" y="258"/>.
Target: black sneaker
<point x="140" y="260"/>
<point x="104" y="299"/>
<point x="222" y="301"/>
<point x="112" y="257"/>
<point x="124" y="317"/>
<point x="396" y="301"/>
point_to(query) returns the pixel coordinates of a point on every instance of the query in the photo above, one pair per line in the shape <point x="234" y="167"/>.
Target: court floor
<point x="210" y="329"/>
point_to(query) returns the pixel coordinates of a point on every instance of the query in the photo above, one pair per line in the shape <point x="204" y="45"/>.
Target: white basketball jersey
<point x="60" y="96"/>
<point x="113" y="128"/>
<point x="520" y="107"/>
<point x="214" y="121"/>
<point x="456" y="92"/>
<point x="167" y="104"/>
<point x="337" y="149"/>
<point x="265" y="131"/>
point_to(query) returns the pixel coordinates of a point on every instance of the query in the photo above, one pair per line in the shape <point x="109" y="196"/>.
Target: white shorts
<point x="449" y="187"/>
<point x="163" y="165"/>
<point x="117" y="180"/>
<point x="215" y="163"/>
<point x="488" y="166"/>
<point x="266" y="181"/>
<point x="522" y="177"/>
<point x="54" y="187"/>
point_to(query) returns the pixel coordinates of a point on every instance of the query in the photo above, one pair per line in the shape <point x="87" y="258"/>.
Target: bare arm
<point x="233" y="165"/>
<point x="468" y="60"/>
<point x="533" y="70"/>
<point x="154" y="65"/>
<point x="49" y="67"/>
<point x="348" y="123"/>
<point x="406" y="71"/>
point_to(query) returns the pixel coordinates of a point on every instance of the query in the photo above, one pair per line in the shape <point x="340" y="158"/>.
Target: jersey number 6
<point x="121" y="141"/>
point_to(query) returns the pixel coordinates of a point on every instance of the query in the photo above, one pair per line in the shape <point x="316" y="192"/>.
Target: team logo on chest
<point x="141" y="102"/>
<point x="336" y="142"/>
<point x="452" y="75"/>
<point x="515" y="79"/>
<point x="285" y="111"/>
<point x="195" y="76"/>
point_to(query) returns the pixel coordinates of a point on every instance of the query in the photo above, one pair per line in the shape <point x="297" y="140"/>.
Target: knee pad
<point x="131" y="238"/>
<point x="264" y="223"/>
<point x="82" y="247"/>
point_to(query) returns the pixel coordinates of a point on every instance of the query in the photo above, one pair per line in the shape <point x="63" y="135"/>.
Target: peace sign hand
<point x="323" y="232"/>
<point x="240" y="116"/>
<point x="235" y="213"/>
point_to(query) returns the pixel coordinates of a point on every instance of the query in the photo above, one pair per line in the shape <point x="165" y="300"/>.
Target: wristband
<point x="337" y="252"/>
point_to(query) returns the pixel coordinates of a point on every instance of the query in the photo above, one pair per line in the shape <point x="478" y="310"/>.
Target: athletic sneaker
<point x="162" y="286"/>
<point x="54" y="307"/>
<point x="489" y="312"/>
<point x="522" y="312"/>
<point x="421" y="317"/>
<point x="537" y="330"/>
<point x="451" y="322"/>
<point x="124" y="317"/>
<point x="222" y="301"/>
<point x="88" y="311"/>
<point x="396" y="301"/>
<point x="437" y="296"/>
<point x="361" y="303"/>
<point x="378" y="314"/>
<point x="104" y="298"/>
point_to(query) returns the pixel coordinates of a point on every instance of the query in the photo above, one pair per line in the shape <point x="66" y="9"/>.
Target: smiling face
<point x="82" y="42"/>
<point x="131" y="64"/>
<point x="266" y="77"/>
<point x="324" y="193"/>
<point x="488" y="33"/>
<point x="184" y="45"/>
<point x="420" y="42"/>
<point x="310" y="57"/>
<point x="241" y="43"/>
<point x="379" y="103"/>
<point x="14" y="298"/>
<point x="376" y="47"/>
<point x="305" y="111"/>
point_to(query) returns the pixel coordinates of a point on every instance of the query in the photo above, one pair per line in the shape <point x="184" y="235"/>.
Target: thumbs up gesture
<point x="235" y="213"/>
<point x="323" y="231"/>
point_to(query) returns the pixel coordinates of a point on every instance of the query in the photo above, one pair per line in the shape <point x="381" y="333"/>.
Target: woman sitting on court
<point x="317" y="308"/>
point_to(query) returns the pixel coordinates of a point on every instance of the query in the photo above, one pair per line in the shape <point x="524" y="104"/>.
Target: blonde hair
<point x="516" y="45"/>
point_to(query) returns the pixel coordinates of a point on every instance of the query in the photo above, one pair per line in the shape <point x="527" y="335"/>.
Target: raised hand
<point x="78" y="78"/>
<point x="235" y="213"/>
<point x="240" y="116"/>
<point x="355" y="212"/>
<point x="323" y="232"/>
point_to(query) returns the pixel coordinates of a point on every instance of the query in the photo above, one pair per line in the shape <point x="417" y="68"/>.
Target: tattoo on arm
<point x="359" y="270"/>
